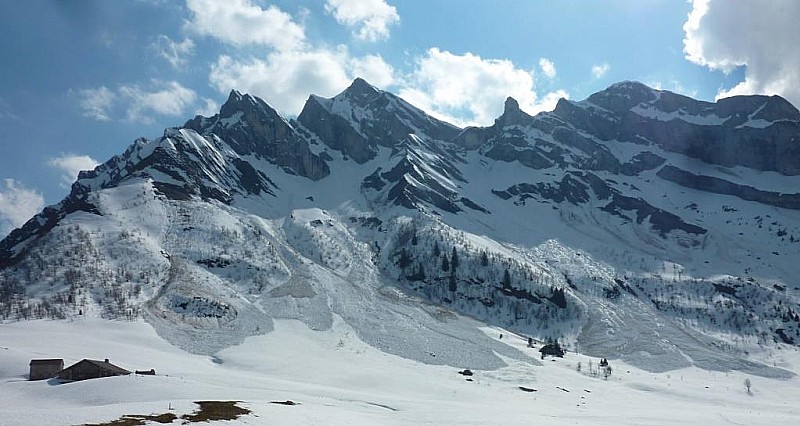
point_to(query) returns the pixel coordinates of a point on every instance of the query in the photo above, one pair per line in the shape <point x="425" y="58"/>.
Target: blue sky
<point x="82" y="79"/>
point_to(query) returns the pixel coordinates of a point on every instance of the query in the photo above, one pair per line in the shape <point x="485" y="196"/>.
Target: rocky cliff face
<point x="758" y="132"/>
<point x="363" y="118"/>
<point x="253" y="128"/>
<point x="632" y="206"/>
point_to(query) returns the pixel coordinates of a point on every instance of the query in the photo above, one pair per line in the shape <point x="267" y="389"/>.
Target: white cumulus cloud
<point x="548" y="67"/>
<point x="284" y="78"/>
<point x="673" y="86"/>
<point x="373" y="69"/>
<point x="599" y="70"/>
<point x="176" y="53"/>
<point x="96" y="103"/>
<point x="70" y="165"/>
<point x="165" y="98"/>
<point x="242" y="22"/>
<point x="17" y="205"/>
<point x="139" y="103"/>
<point x="208" y="108"/>
<point x="762" y="37"/>
<point x="369" y="18"/>
<point x="467" y="89"/>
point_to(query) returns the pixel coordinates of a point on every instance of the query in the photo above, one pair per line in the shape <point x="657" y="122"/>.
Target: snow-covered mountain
<point x="635" y="224"/>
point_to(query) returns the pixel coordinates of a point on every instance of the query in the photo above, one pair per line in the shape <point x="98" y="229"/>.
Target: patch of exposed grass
<point x="137" y="420"/>
<point x="209" y="411"/>
<point x="216" y="410"/>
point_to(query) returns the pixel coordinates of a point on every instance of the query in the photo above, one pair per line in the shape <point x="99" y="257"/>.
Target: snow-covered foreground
<point x="337" y="379"/>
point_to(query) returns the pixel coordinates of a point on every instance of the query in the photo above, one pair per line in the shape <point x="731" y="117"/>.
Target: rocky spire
<point x="511" y="113"/>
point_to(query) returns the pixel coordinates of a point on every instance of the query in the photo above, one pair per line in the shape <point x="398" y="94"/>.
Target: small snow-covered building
<point x="91" y="369"/>
<point x="41" y="369"/>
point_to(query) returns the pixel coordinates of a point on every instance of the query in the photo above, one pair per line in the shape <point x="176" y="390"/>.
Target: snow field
<point x="337" y="379"/>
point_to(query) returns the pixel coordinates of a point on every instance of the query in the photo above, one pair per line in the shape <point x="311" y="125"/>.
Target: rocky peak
<point x="361" y="86"/>
<point x="623" y="96"/>
<point x="240" y="114"/>
<point x="236" y="102"/>
<point x="512" y="114"/>
<point x="777" y="108"/>
<point x="362" y="118"/>
<point x="253" y="108"/>
<point x="360" y="92"/>
<point x="511" y="106"/>
<point x="251" y="127"/>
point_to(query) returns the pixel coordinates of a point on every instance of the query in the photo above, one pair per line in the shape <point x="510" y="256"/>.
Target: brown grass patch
<point x="209" y="411"/>
<point x="137" y="420"/>
<point x="216" y="410"/>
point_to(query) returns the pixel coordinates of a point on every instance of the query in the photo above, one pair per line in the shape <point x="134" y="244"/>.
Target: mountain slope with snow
<point x="636" y="224"/>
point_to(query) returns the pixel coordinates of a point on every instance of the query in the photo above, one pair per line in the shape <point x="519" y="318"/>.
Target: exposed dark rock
<point x="512" y="114"/>
<point x="252" y="127"/>
<point x="336" y="132"/>
<point x="725" y="289"/>
<point x="661" y="220"/>
<point x="474" y="206"/>
<point x="759" y="132"/>
<point x="528" y="157"/>
<point x="415" y="180"/>
<point x="641" y="162"/>
<point x="374" y="181"/>
<point x="520" y="294"/>
<point x="568" y="189"/>
<point x="721" y="186"/>
<point x="391" y="120"/>
<point x="785" y="338"/>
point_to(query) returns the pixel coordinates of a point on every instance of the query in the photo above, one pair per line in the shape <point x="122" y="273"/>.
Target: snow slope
<point x="337" y="379"/>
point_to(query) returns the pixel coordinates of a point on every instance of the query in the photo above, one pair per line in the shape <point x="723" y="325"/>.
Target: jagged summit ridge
<point x="360" y="120"/>
<point x="731" y="132"/>
<point x="623" y="96"/>
<point x="756" y="131"/>
<point x="632" y="206"/>
<point x="361" y="91"/>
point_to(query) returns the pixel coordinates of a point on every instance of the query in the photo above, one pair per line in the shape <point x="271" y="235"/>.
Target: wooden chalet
<point x="91" y="369"/>
<point x="41" y="369"/>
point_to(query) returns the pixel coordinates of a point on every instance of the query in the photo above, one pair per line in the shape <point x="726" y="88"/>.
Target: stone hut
<point x="42" y="369"/>
<point x="91" y="369"/>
